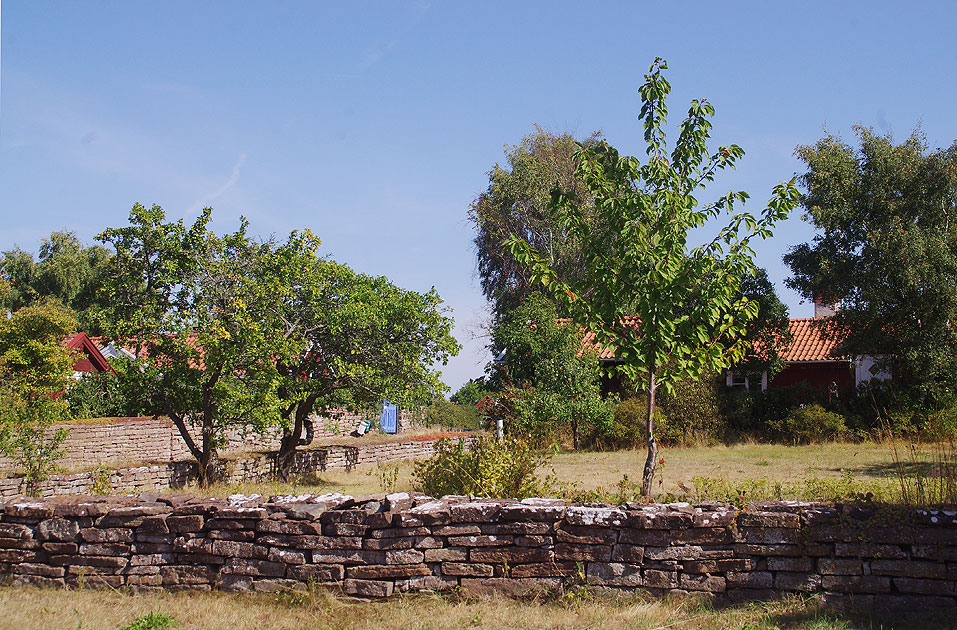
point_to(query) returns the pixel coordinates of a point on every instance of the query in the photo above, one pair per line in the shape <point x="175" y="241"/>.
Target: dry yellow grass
<point x="588" y="470"/>
<point x="362" y="481"/>
<point x="44" y="609"/>
<point x="742" y="461"/>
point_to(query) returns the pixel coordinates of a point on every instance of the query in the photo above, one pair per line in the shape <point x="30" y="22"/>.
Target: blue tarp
<point x="388" y="419"/>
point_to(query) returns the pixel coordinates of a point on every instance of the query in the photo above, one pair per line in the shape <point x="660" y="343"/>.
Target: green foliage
<point x="151" y="622"/>
<point x="35" y="368"/>
<point x="689" y="312"/>
<point x="692" y="412"/>
<point x="768" y="333"/>
<point x="518" y="201"/>
<point x="549" y="386"/>
<point x="471" y="392"/>
<point x="189" y="300"/>
<point x="27" y="434"/>
<point x="628" y="429"/>
<point x="346" y="339"/>
<point x="105" y="395"/>
<point x="885" y="250"/>
<point x="33" y="359"/>
<point x="546" y="417"/>
<point x="488" y="468"/>
<point x="442" y="413"/>
<point x="65" y="270"/>
<point x="102" y="484"/>
<point x="810" y="424"/>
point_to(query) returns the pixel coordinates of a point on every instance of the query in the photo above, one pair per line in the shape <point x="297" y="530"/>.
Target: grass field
<point x="46" y="609"/>
<point x="589" y="470"/>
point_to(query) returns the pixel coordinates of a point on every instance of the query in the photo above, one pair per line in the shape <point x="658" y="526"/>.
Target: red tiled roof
<point x="809" y="342"/>
<point x="589" y="343"/>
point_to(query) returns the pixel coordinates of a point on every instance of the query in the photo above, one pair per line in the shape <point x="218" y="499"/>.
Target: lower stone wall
<point x="120" y="440"/>
<point x="397" y="542"/>
<point x="251" y="468"/>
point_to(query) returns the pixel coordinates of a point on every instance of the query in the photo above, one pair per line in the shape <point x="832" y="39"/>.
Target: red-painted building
<point x="809" y="359"/>
<point x="88" y="355"/>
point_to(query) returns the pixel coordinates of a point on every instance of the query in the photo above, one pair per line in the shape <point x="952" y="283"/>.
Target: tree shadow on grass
<point x="890" y="470"/>
<point x="811" y="613"/>
<point x="942" y="619"/>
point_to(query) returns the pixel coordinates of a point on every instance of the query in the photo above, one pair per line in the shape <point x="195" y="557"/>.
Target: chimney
<point x="823" y="308"/>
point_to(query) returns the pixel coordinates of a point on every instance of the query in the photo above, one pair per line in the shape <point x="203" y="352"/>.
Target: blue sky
<point x="374" y="123"/>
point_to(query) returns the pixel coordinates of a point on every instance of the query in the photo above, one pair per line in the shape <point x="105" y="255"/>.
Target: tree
<point x="885" y="250"/>
<point x="346" y="339"/>
<point x="35" y="368"/>
<point x="548" y="382"/>
<point x="188" y="300"/>
<point x="768" y="333"/>
<point x="517" y="201"/>
<point x="471" y="392"/>
<point x="65" y="270"/>
<point x="689" y="313"/>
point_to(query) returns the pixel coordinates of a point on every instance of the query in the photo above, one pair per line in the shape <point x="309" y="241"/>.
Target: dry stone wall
<point x="250" y="468"/>
<point x="157" y="440"/>
<point x="401" y="542"/>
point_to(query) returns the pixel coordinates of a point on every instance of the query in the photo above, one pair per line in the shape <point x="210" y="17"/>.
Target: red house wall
<point x="816" y="374"/>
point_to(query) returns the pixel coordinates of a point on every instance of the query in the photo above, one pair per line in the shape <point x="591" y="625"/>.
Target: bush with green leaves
<point x="27" y="434"/>
<point x="35" y="369"/>
<point x="692" y="412"/>
<point x="549" y="418"/>
<point x="810" y="424"/>
<point x="106" y="395"/>
<point x="444" y="414"/>
<point x="486" y="468"/>
<point x="152" y="621"/>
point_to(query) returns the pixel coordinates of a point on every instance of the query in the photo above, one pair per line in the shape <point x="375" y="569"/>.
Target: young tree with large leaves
<point x="188" y="300"/>
<point x="690" y="313"/>
<point x="885" y="250"/>
<point x="345" y="339"/>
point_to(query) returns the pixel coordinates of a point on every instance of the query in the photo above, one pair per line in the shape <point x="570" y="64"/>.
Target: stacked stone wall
<point x="257" y="467"/>
<point x="157" y="440"/>
<point x="401" y="542"/>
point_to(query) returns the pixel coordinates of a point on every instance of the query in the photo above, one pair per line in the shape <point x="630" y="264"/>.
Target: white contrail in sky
<point x="226" y="186"/>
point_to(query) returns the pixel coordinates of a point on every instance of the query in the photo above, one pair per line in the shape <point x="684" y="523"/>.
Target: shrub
<point x="152" y="621"/>
<point x="810" y="424"/>
<point x="547" y="418"/>
<point x="105" y="395"/>
<point x="487" y="468"/>
<point x="693" y="412"/>
<point x="442" y="413"/>
<point x="628" y="423"/>
<point x="27" y="434"/>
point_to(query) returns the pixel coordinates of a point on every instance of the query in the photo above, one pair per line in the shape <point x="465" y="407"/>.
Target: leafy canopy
<point x="65" y="270"/>
<point x="689" y="312"/>
<point x="188" y="300"/>
<point x="885" y="250"/>
<point x="348" y="338"/>
<point x="518" y="201"/>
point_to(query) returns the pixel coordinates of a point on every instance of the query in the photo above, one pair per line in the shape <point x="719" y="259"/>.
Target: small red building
<point x="88" y="355"/>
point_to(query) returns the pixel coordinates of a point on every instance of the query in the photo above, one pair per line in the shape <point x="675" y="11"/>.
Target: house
<point x="809" y="359"/>
<point x="814" y="359"/>
<point x="88" y="359"/>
